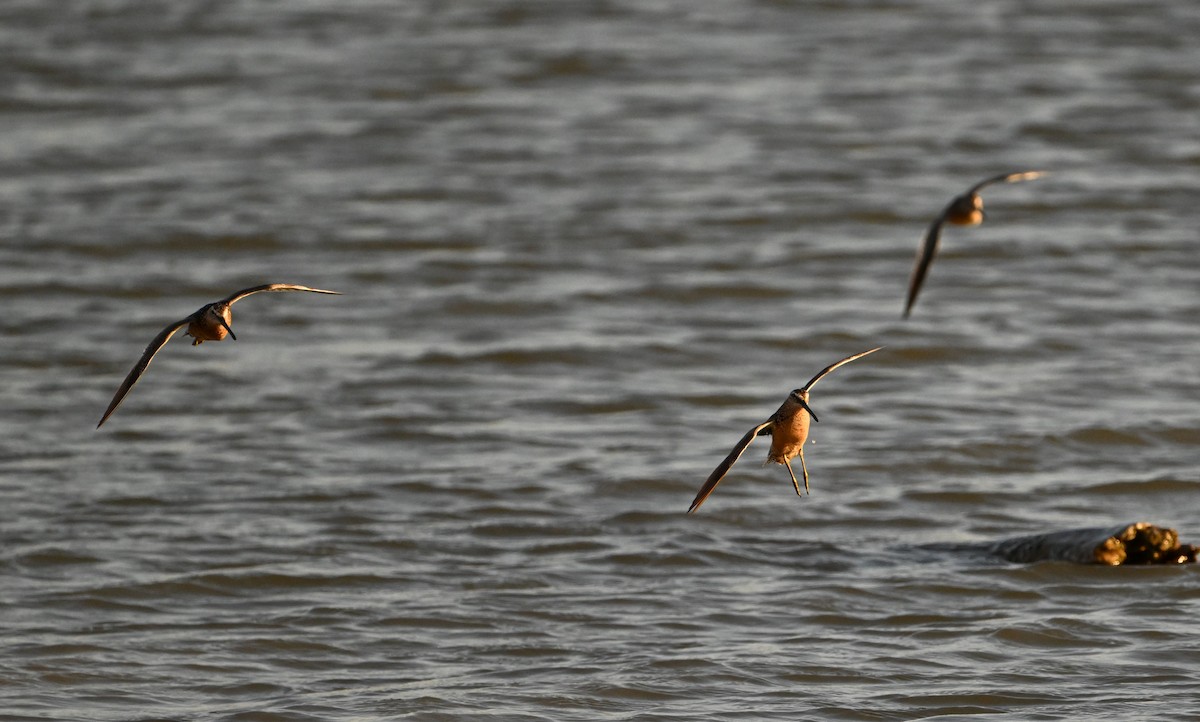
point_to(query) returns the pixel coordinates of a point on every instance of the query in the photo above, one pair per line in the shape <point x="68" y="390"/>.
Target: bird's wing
<point x="726" y="464"/>
<point x="924" y="259"/>
<point x="140" y="367"/>
<point x="831" y="367"/>
<point x="930" y="245"/>
<point x="273" y="287"/>
<point x="1006" y="178"/>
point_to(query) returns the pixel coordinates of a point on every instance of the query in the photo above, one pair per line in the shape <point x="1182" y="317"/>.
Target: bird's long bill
<point x="807" y="408"/>
<point x="227" y="328"/>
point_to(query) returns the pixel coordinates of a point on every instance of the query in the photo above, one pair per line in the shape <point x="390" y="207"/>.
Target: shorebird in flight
<point x="964" y="210"/>
<point x="788" y="429"/>
<point x="210" y="323"/>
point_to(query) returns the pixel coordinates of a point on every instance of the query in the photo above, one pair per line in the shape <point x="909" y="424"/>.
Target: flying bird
<point x="210" y="323"/>
<point x="788" y="429"/>
<point x="964" y="210"/>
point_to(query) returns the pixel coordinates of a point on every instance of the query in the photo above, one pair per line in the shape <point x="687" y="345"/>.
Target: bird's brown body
<point x="207" y="326"/>
<point x="211" y="322"/>
<point x="966" y="210"/>
<point x="788" y="428"/>
<point x="789" y="431"/>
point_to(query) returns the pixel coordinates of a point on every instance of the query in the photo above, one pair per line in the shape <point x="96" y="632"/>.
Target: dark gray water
<point x="584" y="247"/>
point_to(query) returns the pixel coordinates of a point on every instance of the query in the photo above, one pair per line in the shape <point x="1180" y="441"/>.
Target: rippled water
<point x="583" y="248"/>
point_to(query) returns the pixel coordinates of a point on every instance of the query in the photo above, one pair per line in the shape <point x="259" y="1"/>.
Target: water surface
<point x="583" y="248"/>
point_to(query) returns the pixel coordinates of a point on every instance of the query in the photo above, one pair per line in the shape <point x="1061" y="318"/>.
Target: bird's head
<point x="217" y="311"/>
<point x="800" y="396"/>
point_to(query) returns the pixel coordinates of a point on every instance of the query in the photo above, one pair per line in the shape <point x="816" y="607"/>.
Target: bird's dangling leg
<point x="794" y="482"/>
<point x="804" y="468"/>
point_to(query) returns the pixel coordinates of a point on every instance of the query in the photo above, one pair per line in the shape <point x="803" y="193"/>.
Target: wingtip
<point x="700" y="499"/>
<point x="311" y="289"/>
<point x="1025" y="175"/>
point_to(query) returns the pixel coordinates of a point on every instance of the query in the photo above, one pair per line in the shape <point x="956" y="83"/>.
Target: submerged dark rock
<point x="1137" y="543"/>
